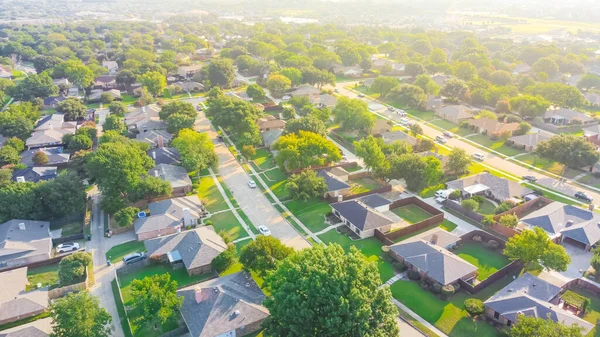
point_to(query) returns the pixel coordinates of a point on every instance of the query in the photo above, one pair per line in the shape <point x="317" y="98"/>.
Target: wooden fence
<point x="47" y="262"/>
<point x="62" y="291"/>
<point x="583" y="283"/>
<point x="526" y="208"/>
<point x="351" y="164"/>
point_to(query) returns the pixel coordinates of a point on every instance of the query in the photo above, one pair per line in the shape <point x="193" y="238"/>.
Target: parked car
<point x="286" y="97"/>
<point x="478" y="156"/>
<point x="401" y="112"/>
<point x="530" y="179"/>
<point x="440" y="139"/>
<point x="583" y="196"/>
<point x="67" y="247"/>
<point x="361" y="95"/>
<point x="444" y="194"/>
<point x="133" y="258"/>
<point x="337" y="90"/>
<point x="198" y="107"/>
<point x="264" y="230"/>
<point x="440" y="200"/>
<point x="391" y="108"/>
<point x="404" y="121"/>
<point x="252" y="184"/>
<point x="448" y="134"/>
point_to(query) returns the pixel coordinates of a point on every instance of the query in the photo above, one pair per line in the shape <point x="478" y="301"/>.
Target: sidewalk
<point x="462" y="227"/>
<point x="418" y="318"/>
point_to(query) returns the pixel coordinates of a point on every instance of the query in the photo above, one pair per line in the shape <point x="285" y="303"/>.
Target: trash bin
<point x="89" y="237"/>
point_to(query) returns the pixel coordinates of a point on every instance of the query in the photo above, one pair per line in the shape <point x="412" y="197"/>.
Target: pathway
<point x="418" y="318"/>
<point x="329" y="228"/>
<point x="462" y="227"/>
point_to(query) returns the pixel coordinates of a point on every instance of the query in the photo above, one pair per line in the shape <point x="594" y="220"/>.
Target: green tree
<point x="33" y="86"/>
<point x="149" y="187"/>
<point x="414" y="69"/>
<point x="8" y="155"/>
<point x="178" y="122"/>
<point x="153" y="81"/>
<point x="80" y="142"/>
<point x="117" y="108"/>
<point x="106" y="98"/>
<point x="278" y="84"/>
<point x="531" y="326"/>
<point x="527" y="105"/>
<point x="155" y="298"/>
<point x="71" y="269"/>
<point x="559" y="94"/>
<point x="264" y="254"/>
<point x="196" y="149"/>
<point x="126" y="78"/>
<point x="221" y="73"/>
<point x="40" y="158"/>
<point x="458" y="161"/>
<point x="126" y="216"/>
<point x="383" y="85"/>
<point x="415" y="129"/>
<point x="64" y="195"/>
<point x="255" y="92"/>
<point x="18" y="120"/>
<point x="73" y="108"/>
<point x="589" y="81"/>
<point x="425" y="82"/>
<point x="43" y="62"/>
<point x="570" y="150"/>
<point x="306" y="185"/>
<point x="305" y="149"/>
<point x="509" y="220"/>
<point x="353" y="114"/>
<point x="5" y="177"/>
<point x="116" y="123"/>
<point x="474" y="307"/>
<point x="248" y="151"/>
<point x="455" y="89"/>
<point x="501" y="77"/>
<point x="545" y="65"/>
<point x="295" y="75"/>
<point x="237" y="116"/>
<point x="78" y="73"/>
<point x="15" y="143"/>
<point x="359" y="306"/>
<point x="177" y="107"/>
<point x="79" y="315"/>
<point x="524" y="128"/>
<point x="370" y="151"/>
<point x="470" y="205"/>
<point x="306" y="123"/>
<point x="409" y="95"/>
<point x="226" y="259"/>
<point x="534" y="247"/>
<point x="465" y="71"/>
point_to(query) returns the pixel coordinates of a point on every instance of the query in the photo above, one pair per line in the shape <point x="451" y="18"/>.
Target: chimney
<point x="154" y="155"/>
<point x="187" y="217"/>
<point x="434" y="239"/>
<point x="156" y="173"/>
<point x="22" y="226"/>
<point x="20" y="179"/>
<point x="199" y="295"/>
<point x="235" y="314"/>
<point x="159" y="141"/>
<point x="570" y="223"/>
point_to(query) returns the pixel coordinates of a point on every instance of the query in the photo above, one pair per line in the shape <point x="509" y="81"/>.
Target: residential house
<point x="362" y="218"/>
<point x="156" y="138"/>
<point x="105" y="82"/>
<point x="15" y="303"/>
<point x="204" y="53"/>
<point x="390" y="137"/>
<point x="96" y="94"/>
<point x="190" y="86"/>
<point x="165" y="155"/>
<point x="454" y="113"/>
<point x="52" y="102"/>
<point x="177" y="176"/>
<point x="353" y="72"/>
<point x="270" y="122"/>
<point x="30" y="331"/>
<point x="324" y="101"/>
<point x="530" y="141"/>
<point x="368" y="83"/>
<point x="336" y="186"/>
<point x="593" y="98"/>
<point x="145" y="118"/>
<point x="521" y="69"/>
<point x="381" y="64"/>
<point x="112" y="66"/>
<point x="56" y="156"/>
<point x="306" y="91"/>
<point x="376" y="201"/>
<point x="564" y="116"/>
<point x="492" y="127"/>
<point x="5" y="73"/>
<point x="531" y="296"/>
<point x="168" y="217"/>
<point x="23" y="242"/>
<point x="226" y="306"/>
<point x="499" y="189"/>
<point x="49" y="131"/>
<point x="591" y="130"/>
<point x="432" y="261"/>
<point x="34" y="174"/>
<point x="440" y="79"/>
<point x="595" y="139"/>
<point x="189" y="71"/>
<point x="195" y="249"/>
<point x="434" y="103"/>
<point x="270" y="137"/>
<point x="381" y="126"/>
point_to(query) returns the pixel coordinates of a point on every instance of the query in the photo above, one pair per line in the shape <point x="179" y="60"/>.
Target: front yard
<point x="210" y="195"/>
<point x="276" y="179"/>
<point x="486" y="260"/>
<point x="116" y="253"/>
<point x="496" y="145"/>
<point x="311" y="213"/>
<point x="548" y="165"/>
<point x="227" y="221"/>
<point x="412" y="213"/>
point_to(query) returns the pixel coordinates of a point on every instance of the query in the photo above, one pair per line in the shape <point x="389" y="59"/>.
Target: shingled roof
<point x="360" y="215"/>
<point x="333" y="182"/>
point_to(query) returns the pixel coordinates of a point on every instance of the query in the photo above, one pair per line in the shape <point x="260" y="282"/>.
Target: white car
<point x="391" y="108"/>
<point x="286" y="97"/>
<point x="264" y="230"/>
<point x="404" y="121"/>
<point x="252" y="184"/>
<point x="440" y="139"/>
<point x="401" y="112"/>
<point x="478" y="156"/>
<point x="67" y="247"/>
<point x="448" y="134"/>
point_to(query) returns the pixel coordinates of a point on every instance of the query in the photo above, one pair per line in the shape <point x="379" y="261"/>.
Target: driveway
<point x="580" y="261"/>
<point x="251" y="200"/>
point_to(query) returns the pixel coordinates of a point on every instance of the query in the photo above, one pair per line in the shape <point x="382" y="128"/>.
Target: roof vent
<point x="510" y="290"/>
<point x="20" y="179"/>
<point x="533" y="285"/>
<point x="247" y="284"/>
<point x="153" y="155"/>
<point x="216" y="289"/>
<point x="570" y="223"/>
<point x="22" y="226"/>
<point x="235" y="314"/>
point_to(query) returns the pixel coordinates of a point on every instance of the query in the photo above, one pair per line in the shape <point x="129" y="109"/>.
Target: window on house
<point x="508" y="323"/>
<point x="496" y="315"/>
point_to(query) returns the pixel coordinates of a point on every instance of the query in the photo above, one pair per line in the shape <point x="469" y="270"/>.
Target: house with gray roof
<point x="270" y="137"/>
<point x="390" y="137"/>
<point x="336" y="187"/>
<point x="177" y="176"/>
<point x="56" y="156"/>
<point x="145" y="118"/>
<point x="49" y="131"/>
<point x="521" y="68"/>
<point x="530" y="141"/>
<point x="34" y="174"/>
<point x="168" y="217"/>
<point x="195" y="249"/>
<point x="165" y="155"/>
<point x="156" y="138"/>
<point x="454" y="113"/>
<point x="531" y="296"/>
<point x="29" y="331"/>
<point x="361" y="218"/>
<point x="376" y="201"/>
<point x="499" y="189"/>
<point x="226" y="306"/>
<point x="23" y="242"/>
<point x="564" y="116"/>
<point x="433" y="261"/>
<point x="590" y="131"/>
<point x="15" y="303"/>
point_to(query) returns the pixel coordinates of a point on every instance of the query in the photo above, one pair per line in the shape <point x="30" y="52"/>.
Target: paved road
<point x="407" y="330"/>
<point x="251" y="200"/>
<point x="490" y="159"/>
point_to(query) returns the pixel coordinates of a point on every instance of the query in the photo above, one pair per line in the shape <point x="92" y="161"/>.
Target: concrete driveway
<point x="580" y="261"/>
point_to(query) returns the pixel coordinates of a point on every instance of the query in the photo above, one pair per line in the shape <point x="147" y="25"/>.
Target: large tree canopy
<point x="534" y="248"/>
<point x="305" y="149"/>
<point x="353" y="114"/>
<point x="527" y="326"/>
<point x="196" y="149"/>
<point x="79" y="315"/>
<point x="570" y="150"/>
<point x="264" y="254"/>
<point x="342" y="305"/>
<point x="237" y="116"/>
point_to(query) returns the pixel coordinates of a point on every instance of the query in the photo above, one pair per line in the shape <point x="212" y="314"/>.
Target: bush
<point x="436" y="288"/>
<point x="208" y="223"/>
<point x="400" y="266"/>
<point x="455" y="195"/>
<point x="424" y="285"/>
<point x="470" y="205"/>
<point x="71" y="269"/>
<point x="503" y="207"/>
<point x="126" y="216"/>
<point x="477" y="238"/>
<point x="226" y="236"/>
<point x="595" y="262"/>
<point x="225" y="259"/>
<point x="492" y="244"/>
<point x="414" y="275"/>
<point x="474" y="307"/>
<point x="480" y="200"/>
<point x="448" y="290"/>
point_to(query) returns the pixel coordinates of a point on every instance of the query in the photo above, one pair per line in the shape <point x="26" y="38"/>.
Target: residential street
<point x="251" y="200"/>
<point x="491" y="160"/>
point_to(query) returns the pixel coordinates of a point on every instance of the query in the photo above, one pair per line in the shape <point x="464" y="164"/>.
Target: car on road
<point x="583" y="196"/>
<point x="401" y="112"/>
<point x="391" y="108"/>
<point x="264" y="230"/>
<point x="478" y="156"/>
<point x="444" y="194"/>
<point x="440" y="139"/>
<point x="404" y="121"/>
<point x="198" y="107"/>
<point x="336" y="90"/>
<point x="361" y="95"/>
<point x="448" y="134"/>
<point x="133" y="258"/>
<point x="440" y="200"/>
<point x="286" y="97"/>
<point x="252" y="184"/>
<point x="67" y="247"/>
<point x="530" y="179"/>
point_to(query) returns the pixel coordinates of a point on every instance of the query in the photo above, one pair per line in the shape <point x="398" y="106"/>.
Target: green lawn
<point x="46" y="275"/>
<point x="371" y="247"/>
<point x="429" y="191"/>
<point x="210" y="195"/>
<point x="447" y="125"/>
<point x="120" y="309"/>
<point x="311" y="213"/>
<point x="486" y="208"/>
<point x="448" y="225"/>
<point x="276" y="180"/>
<point x="364" y="185"/>
<point x="589" y="179"/>
<point x="226" y="221"/>
<point x="424" y="115"/>
<point x="592" y="312"/>
<point x="128" y="99"/>
<point x="412" y="213"/>
<point x="548" y="165"/>
<point x="496" y="145"/>
<point x="263" y="159"/>
<point x="71" y="228"/>
<point x="116" y="253"/>
<point x="486" y="261"/>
